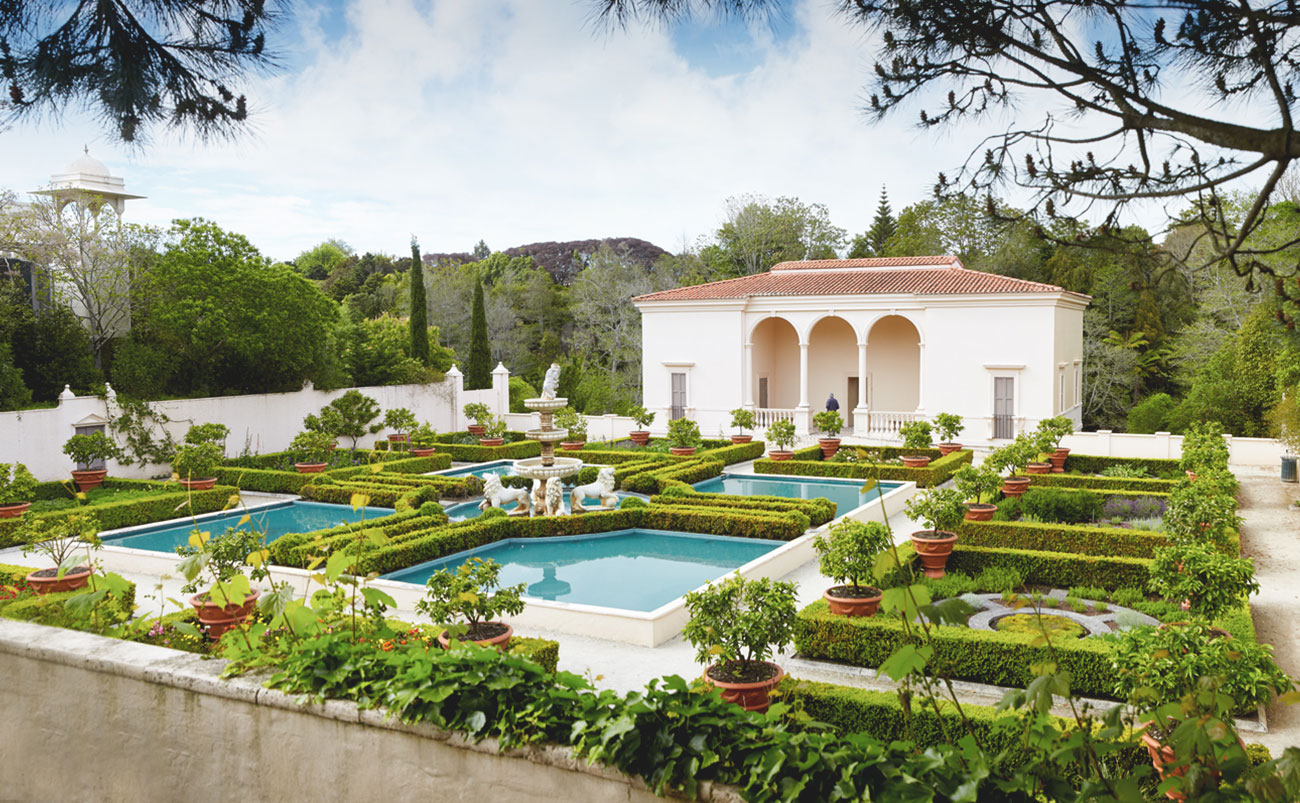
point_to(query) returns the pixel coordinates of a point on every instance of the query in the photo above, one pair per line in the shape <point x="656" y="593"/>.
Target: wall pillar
<point x="457" y="381"/>
<point x="501" y="389"/>
<point x="747" y="378"/>
<point x="860" y="412"/>
<point x="802" y="417"/>
<point x="920" y="378"/>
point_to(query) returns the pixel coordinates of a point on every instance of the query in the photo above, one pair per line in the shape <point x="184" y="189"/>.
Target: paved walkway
<point x="1270" y="533"/>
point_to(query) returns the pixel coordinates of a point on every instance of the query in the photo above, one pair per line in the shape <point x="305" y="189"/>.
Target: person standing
<point x="832" y="403"/>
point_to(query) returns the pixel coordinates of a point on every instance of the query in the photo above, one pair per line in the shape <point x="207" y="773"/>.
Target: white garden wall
<point x="262" y="423"/>
<point x="1241" y="451"/>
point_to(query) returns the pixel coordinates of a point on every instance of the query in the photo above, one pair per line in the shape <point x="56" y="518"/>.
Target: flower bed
<point x="808" y="463"/>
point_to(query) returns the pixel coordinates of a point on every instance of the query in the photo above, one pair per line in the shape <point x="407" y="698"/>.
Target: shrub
<point x="478" y="412"/>
<point x="1151" y="414"/>
<point x="472" y="593"/>
<point x="311" y="447"/>
<point x="1194" y="514"/>
<point x="570" y="419"/>
<point x="1212" y="582"/>
<point x="999" y="579"/>
<point x="348" y="416"/>
<point x="739" y="622"/>
<point x="847" y="552"/>
<point x="829" y="422"/>
<point x="224" y="556"/>
<point x="208" y="433"/>
<point x="683" y="433"/>
<point x="781" y="433"/>
<point x="977" y="485"/>
<point x="1204" y="448"/>
<point x="60" y="539"/>
<point x="519" y="391"/>
<point x="423" y="437"/>
<point x="86" y="449"/>
<point x="939" y="509"/>
<point x="743" y="419"/>
<point x="948" y="426"/>
<point x="400" y="420"/>
<point x="496" y="428"/>
<point x="196" y="461"/>
<point x="916" y="434"/>
<point x="641" y="417"/>
<point x="1050" y="431"/>
<point x="952" y="584"/>
<point x="17" y="484"/>
<point x="1124" y="471"/>
<point x="632" y="503"/>
<point x="1058" y="505"/>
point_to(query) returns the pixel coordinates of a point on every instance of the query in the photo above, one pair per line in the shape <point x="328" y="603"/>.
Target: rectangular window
<point x="1060" y="403"/>
<point x="1003" y="406"/>
<point x="679" y="396"/>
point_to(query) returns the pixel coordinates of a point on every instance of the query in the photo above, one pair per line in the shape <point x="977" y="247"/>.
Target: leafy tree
<point x="135" y="63"/>
<point x="1152" y="414"/>
<point x="958" y="225"/>
<point x="481" y="251"/>
<point x="348" y="416"/>
<point x="14" y="393"/>
<point x="419" y="309"/>
<point x="377" y="352"/>
<point x="478" y="367"/>
<point x="319" y="262"/>
<point x="51" y="349"/>
<point x="759" y="233"/>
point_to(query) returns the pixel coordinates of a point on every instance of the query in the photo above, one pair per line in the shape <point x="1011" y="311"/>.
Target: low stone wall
<point x="92" y="718"/>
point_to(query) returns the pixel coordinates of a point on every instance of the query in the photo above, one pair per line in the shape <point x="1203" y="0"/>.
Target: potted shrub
<point x="1206" y="582"/>
<point x="85" y="450"/>
<point x="742" y="420"/>
<point x="467" y="601"/>
<point x="573" y="421"/>
<point x="60" y="540"/>
<point x="830" y="423"/>
<point x="847" y="553"/>
<point x="1054" y="430"/>
<point x="978" y="486"/>
<point x="683" y="436"/>
<point x="230" y="597"/>
<point x="948" y="426"/>
<point x="423" y="440"/>
<point x="16" y="488"/>
<point x="1010" y="458"/>
<point x="494" y="432"/>
<point x="208" y="433"/>
<point x="643" y="418"/>
<point x="940" y="510"/>
<point x="480" y="414"/>
<point x="195" y="465"/>
<point x="780" y="433"/>
<point x="916" y="436"/>
<point x="311" y="451"/>
<point x="1199" y="511"/>
<point x="348" y="416"/>
<point x="735" y="626"/>
<point x="401" y="421"/>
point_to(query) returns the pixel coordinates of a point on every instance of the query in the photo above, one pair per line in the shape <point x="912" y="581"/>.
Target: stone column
<point x="802" y="417"/>
<point x="747" y="378"/>
<point x="860" y="412"/>
<point x="501" y="389"/>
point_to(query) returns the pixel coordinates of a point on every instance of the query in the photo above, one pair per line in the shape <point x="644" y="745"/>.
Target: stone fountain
<point x="547" y="471"/>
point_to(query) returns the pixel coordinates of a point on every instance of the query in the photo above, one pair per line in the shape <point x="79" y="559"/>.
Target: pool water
<point x="469" y="510"/>
<point x="275" y="520"/>
<point x="637" y="570"/>
<point x="846" y="494"/>
<point x="501" y="468"/>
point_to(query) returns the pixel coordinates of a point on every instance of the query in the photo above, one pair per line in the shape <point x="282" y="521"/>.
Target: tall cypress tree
<point x="419" y="309"/>
<point x="478" y="367"/>
<point x="883" y="226"/>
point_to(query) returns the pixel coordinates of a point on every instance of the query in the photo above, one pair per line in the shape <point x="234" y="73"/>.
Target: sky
<point x="517" y="121"/>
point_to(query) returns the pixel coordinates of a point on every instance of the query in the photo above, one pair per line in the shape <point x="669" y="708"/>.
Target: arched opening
<point x="776" y="364"/>
<point x="894" y="365"/>
<point x="833" y="366"/>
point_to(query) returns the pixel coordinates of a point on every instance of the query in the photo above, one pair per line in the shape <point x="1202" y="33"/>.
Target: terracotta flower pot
<point x="423" y="452"/>
<point x="749" y="696"/>
<point x="199" y="485"/>
<point x="1057" y="459"/>
<point x="739" y="439"/>
<point x="475" y="429"/>
<point x="852" y="606"/>
<point x="829" y="446"/>
<point x="682" y="452"/>
<point x="915" y="462"/>
<point x="14" y="511"/>
<point x="491" y="441"/>
<point x="397" y="438"/>
<point x="1015" y="486"/>
<point x="220" y="618"/>
<point x="1038" y="468"/>
<point x="500" y="642"/>
<point x="1163" y="758"/>
<point x="310" y="468"/>
<point x="777" y="454"/>
<point x="47" y="581"/>
<point x="946" y="449"/>
<point x="89" y="479"/>
<point x="640" y="437"/>
<point x="572" y="446"/>
<point x="979" y="512"/>
<point x="933" y="552"/>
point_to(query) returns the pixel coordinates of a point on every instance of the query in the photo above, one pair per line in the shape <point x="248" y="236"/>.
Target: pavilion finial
<point x="85" y="149"/>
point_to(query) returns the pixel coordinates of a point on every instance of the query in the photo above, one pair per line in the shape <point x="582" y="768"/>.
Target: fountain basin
<point x="547" y="435"/>
<point x="533" y="469"/>
<point x="544" y="405"/>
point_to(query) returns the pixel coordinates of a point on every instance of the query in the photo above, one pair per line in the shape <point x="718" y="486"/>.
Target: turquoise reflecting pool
<point x="637" y="570"/>
<point x="274" y="520"/>
<point x="469" y="510"/>
<point x="501" y="468"/>
<point x="846" y="494"/>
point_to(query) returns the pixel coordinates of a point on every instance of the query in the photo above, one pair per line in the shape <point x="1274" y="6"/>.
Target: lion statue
<point x="554" y="497"/>
<point x="497" y="495"/>
<point x="602" y="488"/>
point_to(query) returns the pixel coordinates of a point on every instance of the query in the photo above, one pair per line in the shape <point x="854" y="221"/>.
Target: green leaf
<point x="906" y="660"/>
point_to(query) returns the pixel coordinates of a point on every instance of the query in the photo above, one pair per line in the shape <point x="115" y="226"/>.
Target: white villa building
<point x="893" y="339"/>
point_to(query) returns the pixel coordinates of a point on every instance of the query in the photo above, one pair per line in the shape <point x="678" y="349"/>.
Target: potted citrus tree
<point x="829" y="423"/>
<point x="780" y="433"/>
<point x="846" y="554"/>
<point x="1007" y="460"/>
<point x="1201" y="578"/>
<point x="735" y="626"/>
<point x="85" y="451"/>
<point x="480" y="414"/>
<point x="423" y="440"/>
<point x="643" y="418"/>
<point x="948" y="426"/>
<point x="978" y="486"/>
<point x="742" y="420"/>
<point x="916" y="436"/>
<point x="60" y="540"/>
<point x="573" y="421"/>
<point x="219" y="563"/>
<point x="1054" y="430"/>
<point x="466" y="602"/>
<point x="16" y="488"/>
<point x="683" y="436"/>
<point x="195" y="465"/>
<point x="401" y="421"/>
<point x="494" y="432"/>
<point x="939" y="510"/>
<point x="311" y="451"/>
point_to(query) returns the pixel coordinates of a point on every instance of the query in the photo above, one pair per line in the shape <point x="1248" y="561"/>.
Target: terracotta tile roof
<point x="941" y="275"/>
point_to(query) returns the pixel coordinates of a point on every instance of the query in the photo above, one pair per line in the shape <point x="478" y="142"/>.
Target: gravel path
<point x="1270" y="533"/>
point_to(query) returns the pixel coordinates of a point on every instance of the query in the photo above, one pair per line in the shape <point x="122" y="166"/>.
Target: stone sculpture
<point x="554" y="497"/>
<point x="497" y="495"/>
<point x="551" y="383"/>
<point x="602" y="488"/>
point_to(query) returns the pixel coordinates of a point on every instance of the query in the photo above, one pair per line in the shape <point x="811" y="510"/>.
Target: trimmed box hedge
<point x="130" y="512"/>
<point x="516" y="447"/>
<point x="819" y="510"/>
<point x="936" y="473"/>
<point x="1075" y="538"/>
<point x="1091" y="464"/>
<point x="1108" y="484"/>
<point x="1056" y="569"/>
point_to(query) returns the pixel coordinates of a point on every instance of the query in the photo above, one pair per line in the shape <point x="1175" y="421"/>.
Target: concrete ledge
<point x="95" y="718"/>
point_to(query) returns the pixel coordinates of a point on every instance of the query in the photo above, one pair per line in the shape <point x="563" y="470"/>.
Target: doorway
<point x="762" y="393"/>
<point x="851" y="398"/>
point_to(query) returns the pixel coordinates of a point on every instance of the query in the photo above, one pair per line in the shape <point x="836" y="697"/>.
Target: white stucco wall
<point x="706" y="343"/>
